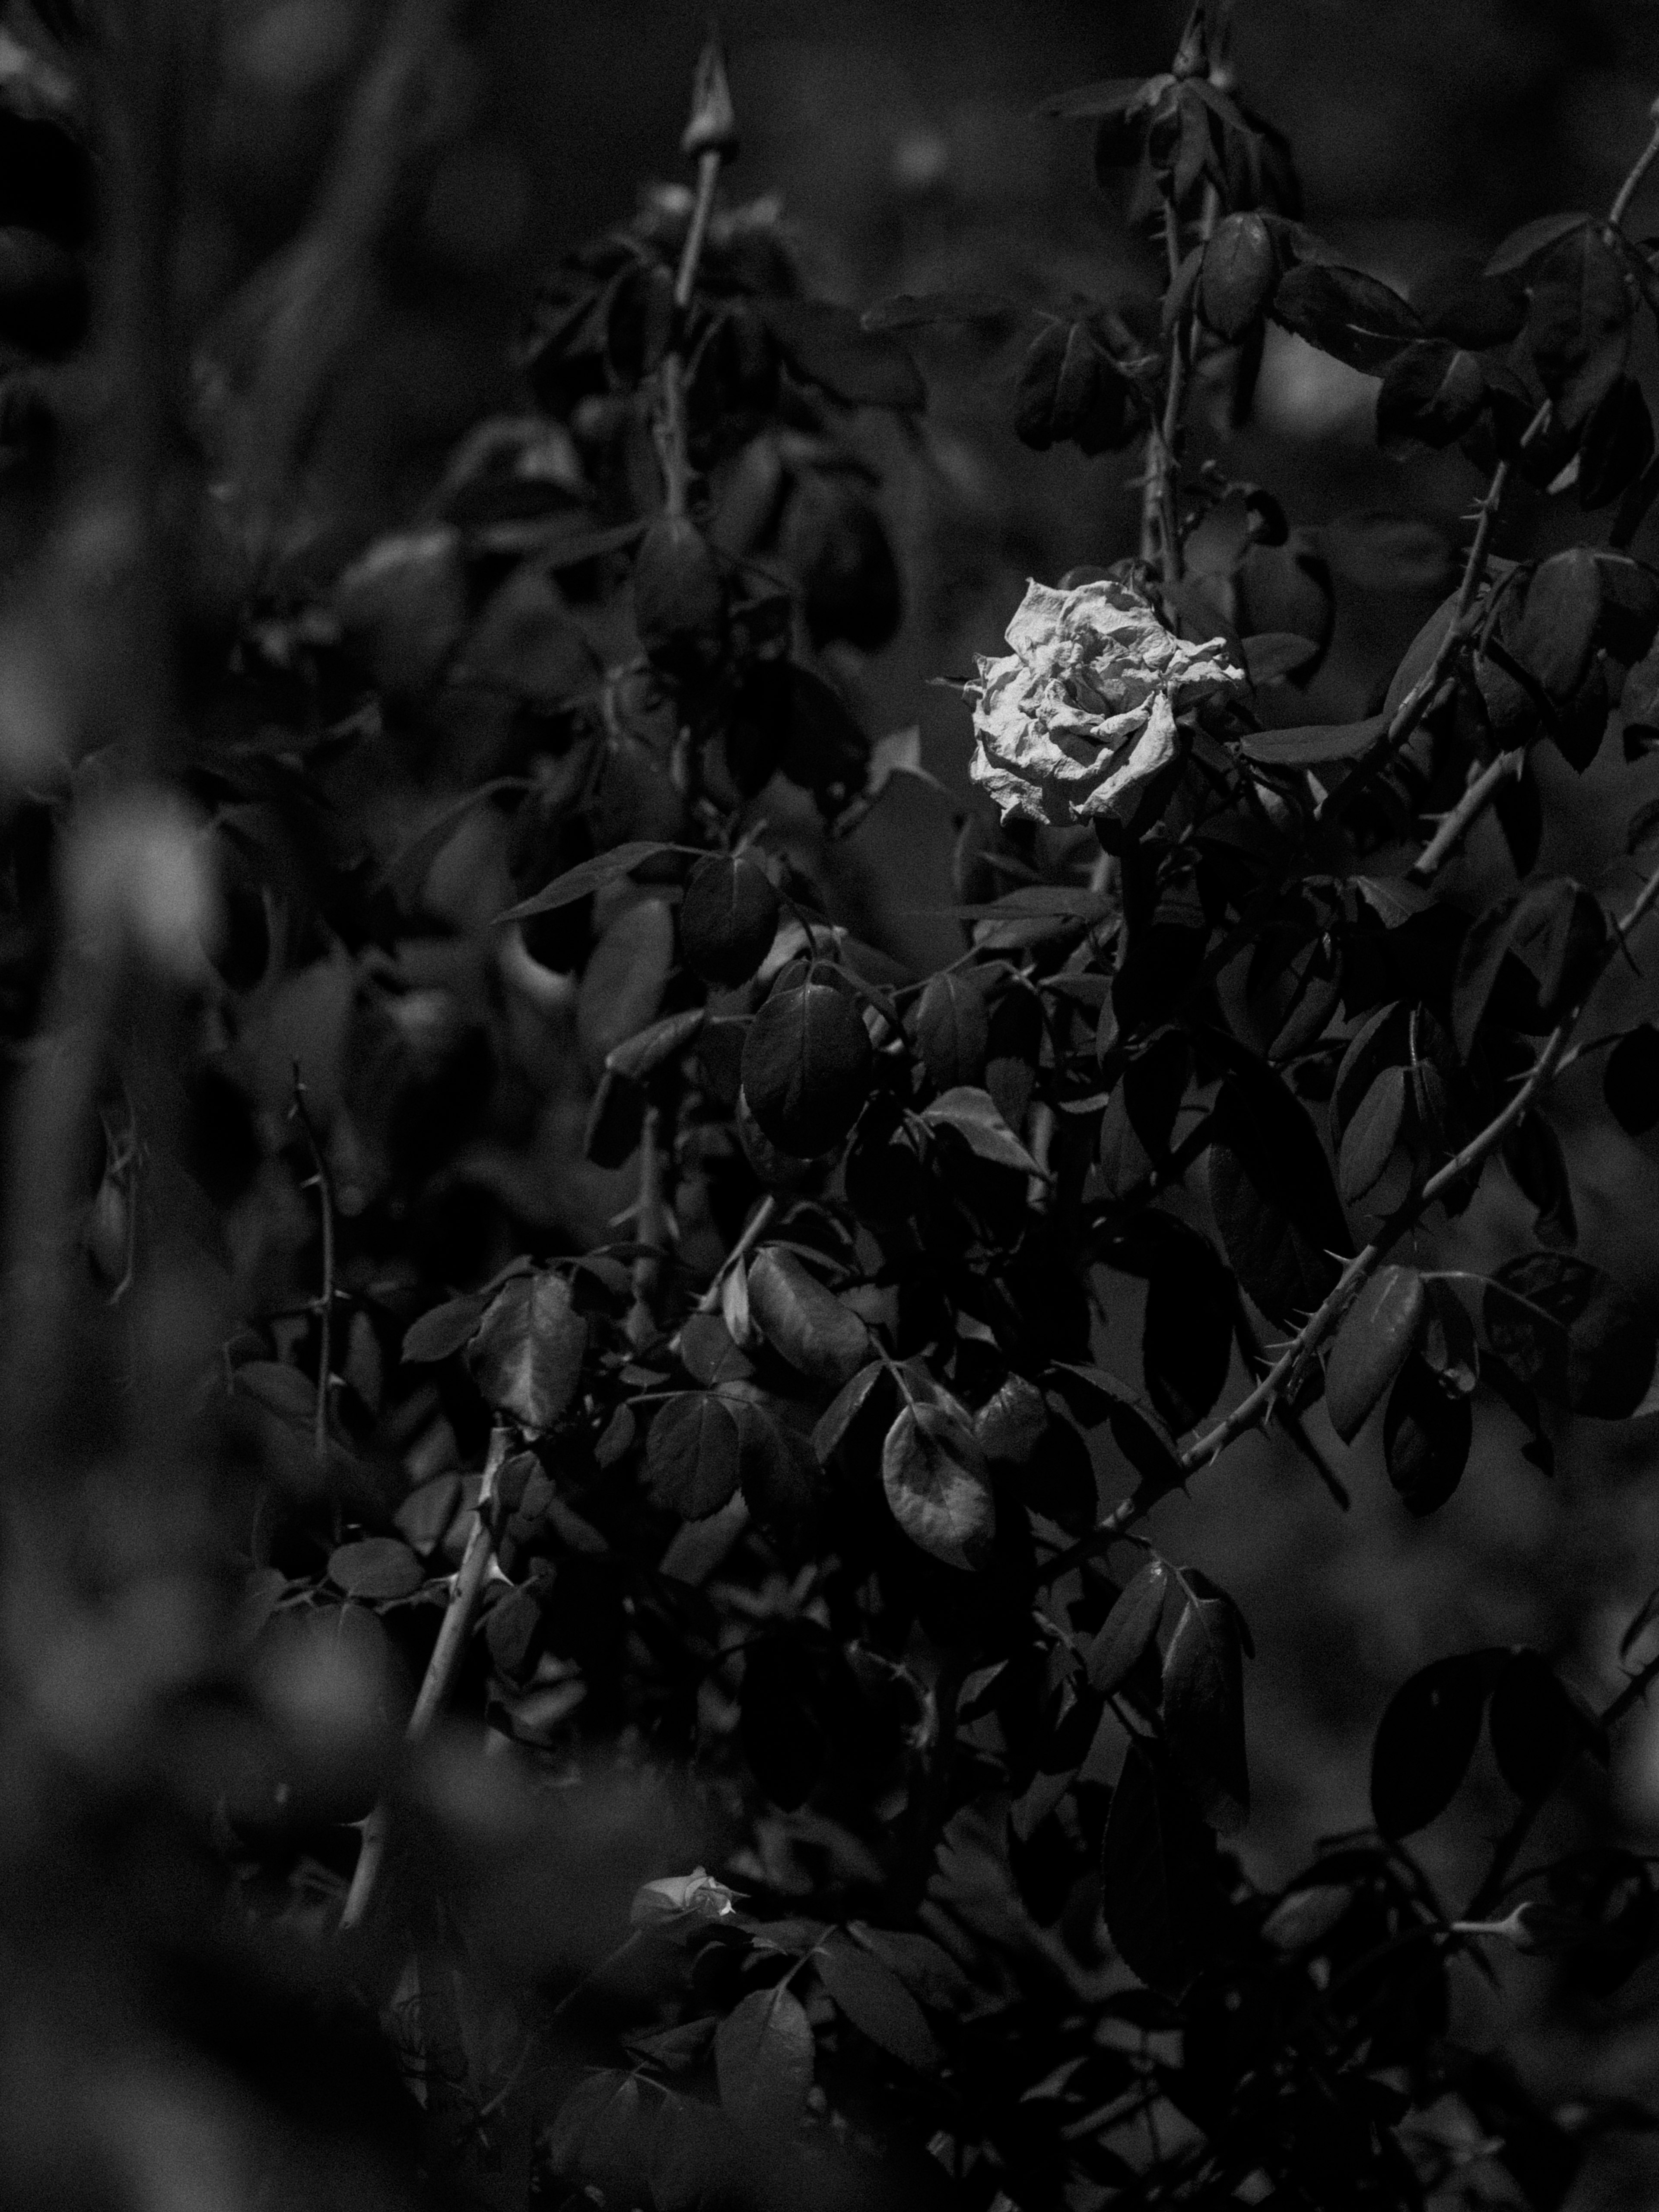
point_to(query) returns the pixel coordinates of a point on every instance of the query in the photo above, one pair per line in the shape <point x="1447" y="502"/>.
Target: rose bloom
<point x="1075" y="721"/>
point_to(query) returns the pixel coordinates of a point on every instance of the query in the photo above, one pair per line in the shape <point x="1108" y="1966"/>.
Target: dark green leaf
<point x="692" y="1457"/>
<point x="1273" y="1195"/>
<point x="763" y="2061"/>
<point x="1432" y="392"/>
<point x="1314" y="745"/>
<point x="1572" y="1334"/>
<point x="1378" y="1334"/>
<point x="1426" y="1741"/>
<point x="807" y="1063"/>
<point x="953" y="1030"/>
<point x="652" y="1048"/>
<point x="801" y="1320"/>
<point x="1129" y="1629"/>
<point x="973" y="1114"/>
<point x="1630" y="1081"/>
<point x="1158" y="1868"/>
<point x="528" y="1356"/>
<point x="728" y="918"/>
<point x="1427" y="1429"/>
<point x="442" y="1330"/>
<point x="938" y="1483"/>
<point x="1345" y="313"/>
<point x="377" y="1568"/>
<point x="581" y="883"/>
<point x="1204" y="1711"/>
<point x="1536" y="1726"/>
<point x="876" y="2002"/>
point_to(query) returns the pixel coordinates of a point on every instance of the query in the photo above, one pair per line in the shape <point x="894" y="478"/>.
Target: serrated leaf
<point x="693" y="1455"/>
<point x="763" y="2061"/>
<point x="806" y="1065"/>
<point x="527" y="1355"/>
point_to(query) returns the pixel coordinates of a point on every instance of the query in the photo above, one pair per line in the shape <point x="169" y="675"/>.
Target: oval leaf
<point x="1204" y="1711"/>
<point x="806" y="1068"/>
<point x="938" y="1485"/>
<point x="528" y="1356"/>
<point x="876" y="2002"/>
<point x="1379" y="1332"/>
<point x="377" y="1567"/>
<point x="1129" y="1629"/>
<point x="1426" y="1741"/>
<point x="763" y="2061"/>
<point x="801" y="1320"/>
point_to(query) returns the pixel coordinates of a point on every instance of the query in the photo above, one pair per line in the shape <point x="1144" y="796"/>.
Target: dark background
<point x="900" y="142"/>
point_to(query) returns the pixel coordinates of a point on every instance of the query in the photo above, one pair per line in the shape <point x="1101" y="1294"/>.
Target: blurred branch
<point x="326" y="1303"/>
<point x="316" y="291"/>
<point x="464" y="1593"/>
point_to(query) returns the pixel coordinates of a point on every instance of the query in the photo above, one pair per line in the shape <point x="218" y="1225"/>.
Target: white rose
<point x="1072" y="723"/>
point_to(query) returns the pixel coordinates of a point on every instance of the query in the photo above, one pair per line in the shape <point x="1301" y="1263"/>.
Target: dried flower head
<point x="1075" y="721"/>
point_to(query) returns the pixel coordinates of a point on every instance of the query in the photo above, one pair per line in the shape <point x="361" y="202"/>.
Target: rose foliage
<point x="590" y="1619"/>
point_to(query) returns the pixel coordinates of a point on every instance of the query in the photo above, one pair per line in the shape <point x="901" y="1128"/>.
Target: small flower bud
<point x="714" y="125"/>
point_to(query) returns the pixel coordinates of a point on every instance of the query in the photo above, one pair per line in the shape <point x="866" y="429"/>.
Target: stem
<point x="1468" y="810"/>
<point x="1360" y="1269"/>
<point x="1254" y="1408"/>
<point x="651" y="1227"/>
<point x="440" y="1668"/>
<point x="1160" y="532"/>
<point x="1644" y="161"/>
<point x="326" y="1303"/>
<point x="670" y="427"/>
<point x="1509" y="1844"/>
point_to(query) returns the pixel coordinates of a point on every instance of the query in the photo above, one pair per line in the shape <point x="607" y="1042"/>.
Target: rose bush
<point x="1076" y="721"/>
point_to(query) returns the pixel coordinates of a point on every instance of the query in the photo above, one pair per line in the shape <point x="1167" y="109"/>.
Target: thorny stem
<point x="434" y="1687"/>
<point x="326" y="1302"/>
<point x="1254" y="1408"/>
<point x="1360" y="1268"/>
<point x="1429" y="692"/>
<point x="1487" y="786"/>
<point x="1468" y="810"/>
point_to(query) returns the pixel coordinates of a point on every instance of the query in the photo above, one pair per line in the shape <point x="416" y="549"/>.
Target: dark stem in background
<point x="316" y="292"/>
<point x="325" y="1182"/>
<point x="464" y="1593"/>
